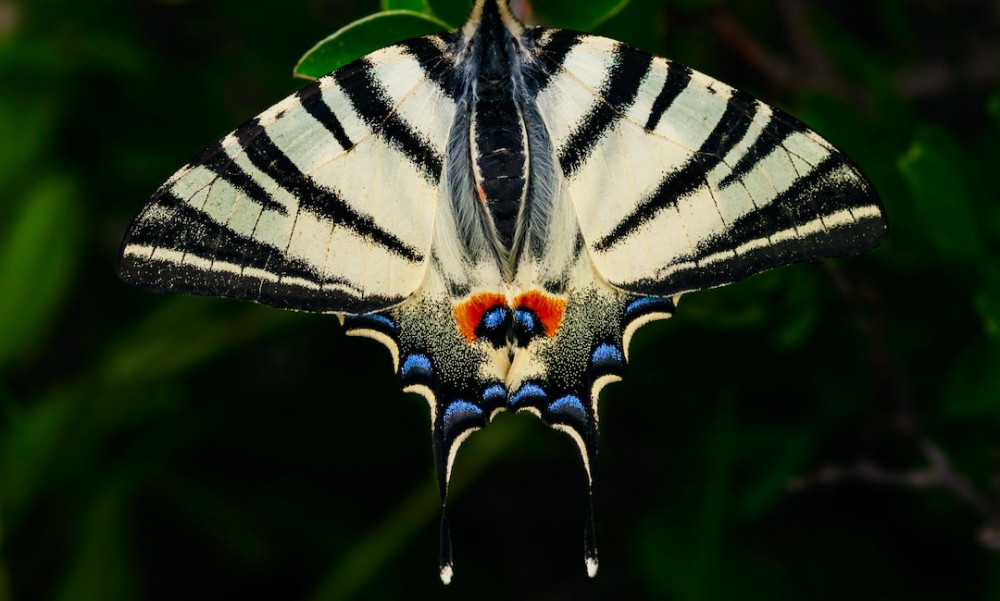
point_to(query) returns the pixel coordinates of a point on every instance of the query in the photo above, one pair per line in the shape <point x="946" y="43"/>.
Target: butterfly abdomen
<point x="498" y="139"/>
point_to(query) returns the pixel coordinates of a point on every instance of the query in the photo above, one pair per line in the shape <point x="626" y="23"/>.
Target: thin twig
<point x="813" y="68"/>
<point x="939" y="473"/>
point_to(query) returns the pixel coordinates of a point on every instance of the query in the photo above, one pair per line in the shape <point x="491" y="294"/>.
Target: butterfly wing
<point x="662" y="181"/>
<point x="347" y="197"/>
<point x="324" y="202"/>
<point x="716" y="186"/>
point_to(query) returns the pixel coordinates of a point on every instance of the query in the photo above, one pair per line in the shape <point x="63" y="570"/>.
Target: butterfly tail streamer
<point x="590" y="537"/>
<point x="446" y="564"/>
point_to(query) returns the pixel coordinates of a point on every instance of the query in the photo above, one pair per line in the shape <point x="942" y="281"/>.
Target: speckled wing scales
<point x="324" y="202"/>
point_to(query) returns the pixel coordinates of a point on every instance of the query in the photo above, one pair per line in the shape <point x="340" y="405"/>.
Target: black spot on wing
<point x="617" y="95"/>
<point x="372" y="104"/>
<point x="313" y="197"/>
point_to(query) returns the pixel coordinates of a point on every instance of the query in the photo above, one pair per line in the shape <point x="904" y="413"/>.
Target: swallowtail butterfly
<point x="502" y="206"/>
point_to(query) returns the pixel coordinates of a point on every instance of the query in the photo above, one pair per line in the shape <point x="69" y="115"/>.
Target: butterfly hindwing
<point x="568" y="346"/>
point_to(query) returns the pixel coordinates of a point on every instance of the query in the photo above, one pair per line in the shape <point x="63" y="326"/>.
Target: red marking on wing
<point x="481" y="193"/>
<point x="469" y="313"/>
<point x="549" y="309"/>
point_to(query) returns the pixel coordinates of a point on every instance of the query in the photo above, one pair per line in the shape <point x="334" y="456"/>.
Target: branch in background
<point x="977" y="68"/>
<point x="811" y="67"/>
<point x="939" y="473"/>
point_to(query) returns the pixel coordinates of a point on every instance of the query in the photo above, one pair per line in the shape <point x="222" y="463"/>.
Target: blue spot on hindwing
<point x="607" y="355"/>
<point x="570" y="406"/>
<point x="649" y="304"/>
<point x="526" y="326"/>
<point x="494" y="395"/>
<point x="495" y="317"/>
<point x="459" y="411"/>
<point x="417" y="365"/>
<point x="525" y="319"/>
<point x="369" y="321"/>
<point x="494" y="325"/>
<point x="527" y="392"/>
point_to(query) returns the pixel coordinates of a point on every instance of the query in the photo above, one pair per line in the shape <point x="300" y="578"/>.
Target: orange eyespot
<point x="548" y="309"/>
<point x="469" y="314"/>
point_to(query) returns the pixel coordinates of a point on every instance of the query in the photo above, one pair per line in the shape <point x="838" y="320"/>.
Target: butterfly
<point x="502" y="207"/>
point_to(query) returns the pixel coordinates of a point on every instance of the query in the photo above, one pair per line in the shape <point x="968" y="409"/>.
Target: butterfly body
<point x="502" y="207"/>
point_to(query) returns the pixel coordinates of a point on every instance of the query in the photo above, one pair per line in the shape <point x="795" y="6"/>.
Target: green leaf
<point x="365" y="36"/>
<point x="454" y="12"/>
<point x="934" y="168"/>
<point x="417" y="6"/>
<point x="572" y="14"/>
<point x="39" y="253"/>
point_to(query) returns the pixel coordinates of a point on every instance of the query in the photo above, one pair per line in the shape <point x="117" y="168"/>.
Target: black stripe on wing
<point x="678" y="77"/>
<point x="727" y="133"/>
<point x="195" y="234"/>
<point x="311" y="98"/>
<point x="436" y="63"/>
<point x="616" y="96"/>
<point x="313" y="197"/>
<point x="774" y="134"/>
<point x="215" y="159"/>
<point x="372" y="104"/>
<point x="548" y="56"/>
<point x="835" y="185"/>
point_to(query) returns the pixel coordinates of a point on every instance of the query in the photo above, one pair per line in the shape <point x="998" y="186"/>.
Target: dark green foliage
<point x="189" y="448"/>
<point x="365" y="36"/>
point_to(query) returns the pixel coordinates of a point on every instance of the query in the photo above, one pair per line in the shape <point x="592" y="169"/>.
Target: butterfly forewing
<point x="717" y="185"/>
<point x="324" y="202"/>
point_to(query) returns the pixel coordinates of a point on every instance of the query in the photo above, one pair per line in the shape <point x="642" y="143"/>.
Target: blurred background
<point x="822" y="431"/>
